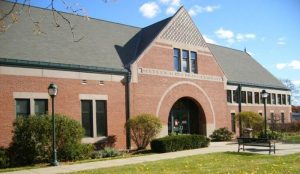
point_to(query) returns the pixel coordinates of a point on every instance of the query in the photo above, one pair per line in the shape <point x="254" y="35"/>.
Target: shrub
<point x="110" y="152"/>
<point x="4" y="159"/>
<point x="286" y="127"/>
<point x="273" y="135"/>
<point x="222" y="134"/>
<point x="143" y="128"/>
<point x="96" y="154"/>
<point x="251" y="120"/>
<point x="179" y="142"/>
<point x="32" y="140"/>
<point x="109" y="141"/>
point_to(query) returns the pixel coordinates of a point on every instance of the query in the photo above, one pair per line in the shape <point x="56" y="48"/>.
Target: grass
<point x="293" y="138"/>
<point x="228" y="162"/>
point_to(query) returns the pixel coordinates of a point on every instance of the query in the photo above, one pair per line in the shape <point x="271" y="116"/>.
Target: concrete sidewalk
<point x="281" y="149"/>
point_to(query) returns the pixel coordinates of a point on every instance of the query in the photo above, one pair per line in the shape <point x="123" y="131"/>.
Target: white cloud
<point x="200" y="9"/>
<point x="170" y="10"/>
<point x="175" y="3"/>
<point x="296" y="82"/>
<point x="209" y="40"/>
<point x="149" y="9"/>
<point x="244" y="37"/>
<point x="294" y="64"/>
<point x="164" y="1"/>
<point x="224" y="34"/>
<point x="281" y="41"/>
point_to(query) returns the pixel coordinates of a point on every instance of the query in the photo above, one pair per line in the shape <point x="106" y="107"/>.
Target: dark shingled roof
<point x="240" y="68"/>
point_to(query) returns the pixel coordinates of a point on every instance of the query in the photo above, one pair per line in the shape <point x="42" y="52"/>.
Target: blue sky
<point x="268" y="29"/>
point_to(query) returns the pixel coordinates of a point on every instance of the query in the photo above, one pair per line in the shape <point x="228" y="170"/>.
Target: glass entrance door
<point x="180" y="121"/>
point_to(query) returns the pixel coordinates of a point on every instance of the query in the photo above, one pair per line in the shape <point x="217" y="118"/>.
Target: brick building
<point x="116" y="71"/>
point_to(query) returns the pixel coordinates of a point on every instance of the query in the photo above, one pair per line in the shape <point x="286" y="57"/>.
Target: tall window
<point x="284" y="99"/>
<point x="282" y="117"/>
<point x="40" y="106"/>
<point x="249" y="95"/>
<point x="87" y="117"/>
<point x="194" y="62"/>
<point x="256" y="97"/>
<point x="22" y="107"/>
<point x="269" y="99"/>
<point x="279" y="99"/>
<point x="289" y="99"/>
<point x="233" y="122"/>
<point x="229" y="97"/>
<point x="235" y="96"/>
<point x="101" y="118"/>
<point x="176" y="57"/>
<point x="274" y="99"/>
<point x="243" y="96"/>
<point x="185" y="61"/>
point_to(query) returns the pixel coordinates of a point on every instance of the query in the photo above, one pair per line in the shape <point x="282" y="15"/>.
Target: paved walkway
<point x="281" y="149"/>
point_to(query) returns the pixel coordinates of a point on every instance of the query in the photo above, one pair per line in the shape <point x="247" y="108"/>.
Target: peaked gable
<point x="182" y="29"/>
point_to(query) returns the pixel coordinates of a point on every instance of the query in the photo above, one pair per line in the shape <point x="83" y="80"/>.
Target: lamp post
<point x="264" y="95"/>
<point x="52" y="90"/>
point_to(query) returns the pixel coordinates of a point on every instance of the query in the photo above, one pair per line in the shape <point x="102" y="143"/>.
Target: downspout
<point x="127" y="88"/>
<point x="240" y="108"/>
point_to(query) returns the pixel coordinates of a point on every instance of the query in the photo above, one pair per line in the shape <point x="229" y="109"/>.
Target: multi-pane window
<point x="233" y="122"/>
<point x="101" y="118"/>
<point x="185" y="61"/>
<point x="274" y="99"/>
<point x="282" y="117"/>
<point x="193" y="62"/>
<point x="289" y="99"/>
<point x="256" y="97"/>
<point x="279" y="99"/>
<point x="249" y="97"/>
<point x="176" y="57"/>
<point x="22" y="107"/>
<point x="87" y="117"/>
<point x="40" y="106"/>
<point x="269" y="99"/>
<point x="284" y="99"/>
<point x="243" y="96"/>
<point x="229" y="97"/>
<point x="235" y="96"/>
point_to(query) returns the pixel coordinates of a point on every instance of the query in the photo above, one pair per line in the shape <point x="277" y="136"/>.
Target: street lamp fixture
<point x="264" y="95"/>
<point x="52" y="90"/>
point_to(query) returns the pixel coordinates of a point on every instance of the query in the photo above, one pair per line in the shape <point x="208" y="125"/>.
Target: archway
<point x="187" y="117"/>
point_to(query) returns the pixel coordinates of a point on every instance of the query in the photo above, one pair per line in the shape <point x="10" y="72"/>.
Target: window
<point x="289" y="100"/>
<point x="256" y="97"/>
<point x="284" y="99"/>
<point x="279" y="98"/>
<point x="229" y="97"/>
<point x="249" y="94"/>
<point x="40" y="106"/>
<point x="176" y="57"/>
<point x="243" y="96"/>
<point x="185" y="61"/>
<point x="260" y="113"/>
<point x="233" y="122"/>
<point x="274" y="99"/>
<point x="269" y="98"/>
<point x="22" y="107"/>
<point x="101" y="118"/>
<point x="87" y="117"/>
<point x="282" y="117"/>
<point x="235" y="96"/>
<point x="194" y="62"/>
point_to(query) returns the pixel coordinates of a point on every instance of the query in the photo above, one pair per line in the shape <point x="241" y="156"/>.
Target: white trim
<point x="93" y="97"/>
<point x="5" y="70"/>
<point x="189" y="83"/>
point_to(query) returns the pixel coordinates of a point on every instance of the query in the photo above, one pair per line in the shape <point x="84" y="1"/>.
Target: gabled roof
<point x="240" y="68"/>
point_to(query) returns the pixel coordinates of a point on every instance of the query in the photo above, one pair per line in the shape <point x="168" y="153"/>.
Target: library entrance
<point x="186" y="117"/>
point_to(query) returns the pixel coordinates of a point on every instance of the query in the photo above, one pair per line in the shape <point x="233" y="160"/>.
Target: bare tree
<point x="294" y="89"/>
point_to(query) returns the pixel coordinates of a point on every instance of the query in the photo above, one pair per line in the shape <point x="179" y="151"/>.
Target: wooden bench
<point x="262" y="142"/>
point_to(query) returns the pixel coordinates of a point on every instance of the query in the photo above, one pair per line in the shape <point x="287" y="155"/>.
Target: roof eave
<point x="257" y="85"/>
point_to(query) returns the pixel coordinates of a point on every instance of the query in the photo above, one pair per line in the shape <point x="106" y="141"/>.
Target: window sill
<point x="91" y="140"/>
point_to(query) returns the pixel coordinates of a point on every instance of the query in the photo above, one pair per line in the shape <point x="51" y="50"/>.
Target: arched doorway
<point x="187" y="117"/>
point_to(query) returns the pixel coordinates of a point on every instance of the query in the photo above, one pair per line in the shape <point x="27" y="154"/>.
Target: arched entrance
<point x="187" y="117"/>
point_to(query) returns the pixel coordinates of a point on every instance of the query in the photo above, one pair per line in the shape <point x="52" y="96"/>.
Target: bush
<point x="179" y="142"/>
<point x="32" y="140"/>
<point x="4" y="159"/>
<point x="251" y="120"/>
<point x="109" y="141"/>
<point x="143" y="128"/>
<point x="286" y="127"/>
<point x="222" y="134"/>
<point x="273" y="135"/>
<point x="110" y="152"/>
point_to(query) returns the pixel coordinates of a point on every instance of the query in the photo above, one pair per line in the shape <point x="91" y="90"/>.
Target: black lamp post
<point x="264" y="95"/>
<point x="52" y="90"/>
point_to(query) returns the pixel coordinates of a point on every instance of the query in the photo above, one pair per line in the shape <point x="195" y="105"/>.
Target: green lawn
<point x="229" y="162"/>
<point x="292" y="138"/>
